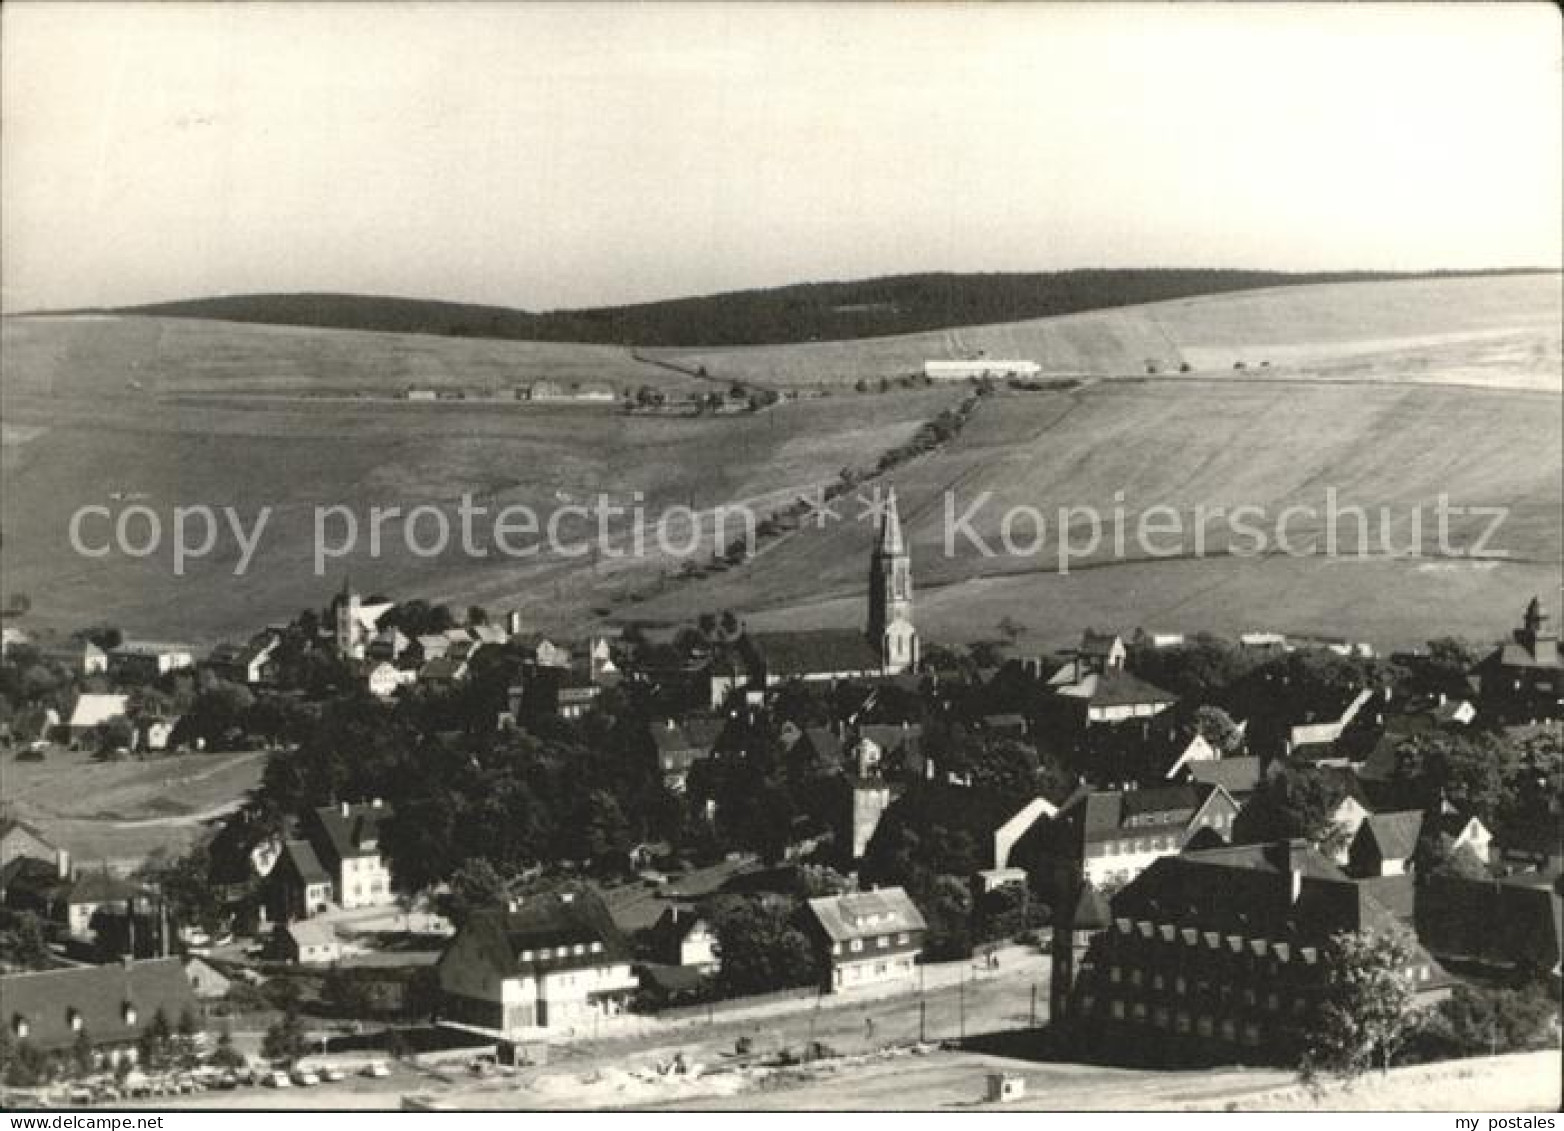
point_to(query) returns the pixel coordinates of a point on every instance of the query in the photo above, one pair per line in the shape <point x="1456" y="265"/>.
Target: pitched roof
<point x="149" y="648"/>
<point x="866" y="913"/>
<point x="1393" y="835"/>
<point x="9" y="825"/>
<point x="806" y="652"/>
<point x="310" y="932"/>
<point x="546" y="932"/>
<point x="50" y="999"/>
<point x="354" y="833"/>
<point x="443" y="667"/>
<point x="1236" y="775"/>
<point x="1114" y="689"/>
<point x="93" y="708"/>
<point x="1101" y="815"/>
<point x="305" y="862"/>
<point x="101" y="887"/>
<point x="1249" y="891"/>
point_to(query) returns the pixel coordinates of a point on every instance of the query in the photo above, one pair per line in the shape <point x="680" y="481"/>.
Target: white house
<point x="93" y="709"/>
<point x="346" y="839"/>
<point x="552" y="965"/>
<point x="866" y="938"/>
<point x="977" y="368"/>
<point x="384" y="679"/>
<point x="149" y="658"/>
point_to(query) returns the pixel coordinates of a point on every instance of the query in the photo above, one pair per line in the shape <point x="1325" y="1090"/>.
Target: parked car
<point x="304" y="1078"/>
<point x="277" y="1080"/>
<point x="376" y="1070"/>
<point x="332" y="1074"/>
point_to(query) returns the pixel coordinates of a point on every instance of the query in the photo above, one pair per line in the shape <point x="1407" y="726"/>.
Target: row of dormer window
<point x="577" y="950"/>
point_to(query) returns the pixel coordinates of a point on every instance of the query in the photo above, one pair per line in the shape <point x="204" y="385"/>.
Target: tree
<point x="1444" y="668"/>
<point x="346" y="995"/>
<point x="23" y="941"/>
<point x="946" y="904"/>
<point x="225" y="1055"/>
<point x="156" y="1046"/>
<point x="187" y="1038"/>
<point x="115" y="734"/>
<point x="84" y="1057"/>
<point x="284" y="1041"/>
<point x="759" y="948"/>
<point x="1439" y="855"/>
<point x="1365" y="1012"/>
<point x="1480" y="1020"/>
<point x="1217" y="727"/>
<point x="475" y="885"/>
<point x="1296" y="801"/>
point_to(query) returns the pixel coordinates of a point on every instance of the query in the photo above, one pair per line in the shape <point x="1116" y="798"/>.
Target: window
<point x="901" y="939"/>
<point x="526" y="956"/>
<point x="855" y="945"/>
<point x="579" y="949"/>
<point x="883" y="941"/>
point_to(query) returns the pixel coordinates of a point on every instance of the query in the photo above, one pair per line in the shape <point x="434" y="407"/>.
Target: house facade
<point x="548" y="966"/>
<point x="865" y="938"/>
<point x="1221" y="955"/>
<point x="1108" y="837"/>
<point x="346" y="839"/>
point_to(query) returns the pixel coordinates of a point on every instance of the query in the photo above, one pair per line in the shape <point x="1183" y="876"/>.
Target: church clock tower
<point x="890" y="595"/>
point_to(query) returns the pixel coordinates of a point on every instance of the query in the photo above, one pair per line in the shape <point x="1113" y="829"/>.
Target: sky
<point x="548" y="156"/>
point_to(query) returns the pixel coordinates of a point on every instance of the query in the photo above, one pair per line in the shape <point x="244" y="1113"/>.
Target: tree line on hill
<point x="801" y="312"/>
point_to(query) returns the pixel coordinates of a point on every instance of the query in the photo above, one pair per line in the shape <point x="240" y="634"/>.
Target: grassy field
<point x="1498" y="331"/>
<point x="101" y="354"/>
<point x="90" y="439"/>
<point x="1392" y="394"/>
<point x="117" y="812"/>
<point x="1191" y="444"/>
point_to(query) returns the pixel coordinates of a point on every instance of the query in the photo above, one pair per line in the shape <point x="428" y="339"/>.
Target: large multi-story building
<point x="548" y="966"/>
<point x="1223" y="953"/>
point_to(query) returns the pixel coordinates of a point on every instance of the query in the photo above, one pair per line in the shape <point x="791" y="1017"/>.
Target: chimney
<point x="346" y="809"/>
<point x="62" y="862"/>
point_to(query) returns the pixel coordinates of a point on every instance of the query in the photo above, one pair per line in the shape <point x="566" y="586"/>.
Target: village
<point x="476" y="851"/>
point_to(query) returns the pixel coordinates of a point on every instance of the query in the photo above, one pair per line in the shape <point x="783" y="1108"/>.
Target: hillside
<point x="1498" y="329"/>
<point x="803" y="312"/>
<point x="1391" y="393"/>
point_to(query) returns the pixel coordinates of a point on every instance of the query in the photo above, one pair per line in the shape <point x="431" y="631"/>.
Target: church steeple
<point x="890" y="594"/>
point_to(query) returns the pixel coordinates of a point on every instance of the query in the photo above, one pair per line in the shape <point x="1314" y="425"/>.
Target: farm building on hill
<point x="978" y="368"/>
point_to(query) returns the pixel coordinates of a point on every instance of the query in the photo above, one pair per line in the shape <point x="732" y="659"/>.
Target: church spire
<point x="890" y="528"/>
<point x="890" y="595"/>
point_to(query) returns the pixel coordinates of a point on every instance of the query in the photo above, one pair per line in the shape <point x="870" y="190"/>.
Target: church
<point x="888" y="644"/>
